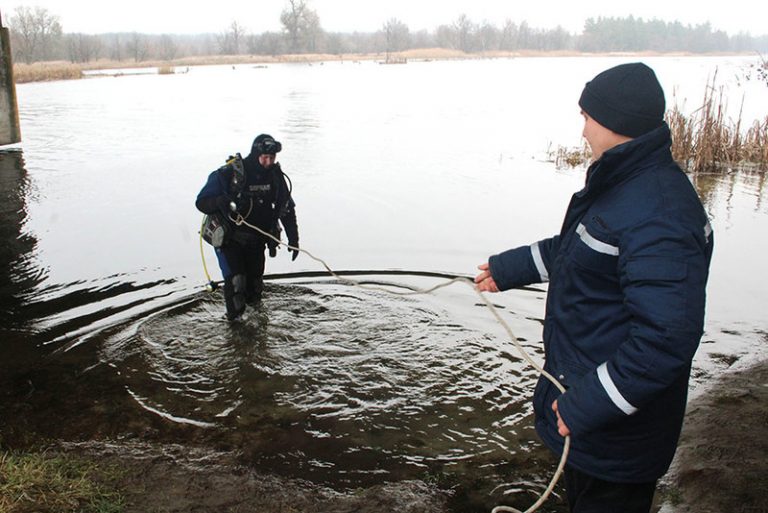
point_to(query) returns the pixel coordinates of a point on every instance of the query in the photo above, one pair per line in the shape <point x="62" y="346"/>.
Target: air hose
<point x="210" y="284"/>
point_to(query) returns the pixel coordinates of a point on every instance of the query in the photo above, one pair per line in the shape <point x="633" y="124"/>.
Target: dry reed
<point x="705" y="141"/>
<point x="708" y="141"/>
<point x="46" y="71"/>
<point x="570" y="157"/>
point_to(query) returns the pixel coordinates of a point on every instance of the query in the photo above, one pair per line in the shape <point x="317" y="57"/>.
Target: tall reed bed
<point x="705" y="141"/>
<point x="708" y="141"/>
<point x="45" y="71"/>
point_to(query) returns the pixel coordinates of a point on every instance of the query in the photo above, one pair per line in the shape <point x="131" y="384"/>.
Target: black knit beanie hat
<point x="265" y="144"/>
<point x="626" y="99"/>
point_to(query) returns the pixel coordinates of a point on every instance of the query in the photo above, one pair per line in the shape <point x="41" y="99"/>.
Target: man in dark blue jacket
<point x="625" y="304"/>
<point x="253" y="189"/>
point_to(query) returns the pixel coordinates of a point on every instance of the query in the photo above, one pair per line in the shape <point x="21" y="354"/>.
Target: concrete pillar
<point x="10" y="132"/>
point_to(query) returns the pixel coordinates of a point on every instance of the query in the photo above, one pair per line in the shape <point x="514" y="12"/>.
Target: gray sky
<point x="177" y="16"/>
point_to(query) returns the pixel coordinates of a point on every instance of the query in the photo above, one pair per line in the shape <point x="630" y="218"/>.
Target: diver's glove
<point x="239" y="204"/>
<point x="295" y="252"/>
<point x="222" y="203"/>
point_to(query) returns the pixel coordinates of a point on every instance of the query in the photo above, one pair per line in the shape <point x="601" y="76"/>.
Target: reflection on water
<point x="105" y="335"/>
<point x="722" y="189"/>
<point x="19" y="273"/>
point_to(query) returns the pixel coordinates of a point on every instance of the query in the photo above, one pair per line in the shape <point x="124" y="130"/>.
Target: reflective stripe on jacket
<point x="625" y="310"/>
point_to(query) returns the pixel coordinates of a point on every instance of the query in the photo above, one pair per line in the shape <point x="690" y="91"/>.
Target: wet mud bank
<point x="721" y="459"/>
<point x="140" y="458"/>
<point x="176" y="478"/>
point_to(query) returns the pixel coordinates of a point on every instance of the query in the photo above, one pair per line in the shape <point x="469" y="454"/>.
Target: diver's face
<point x="267" y="160"/>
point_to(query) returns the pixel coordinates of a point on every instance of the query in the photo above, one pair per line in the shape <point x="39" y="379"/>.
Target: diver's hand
<point x="294" y="252"/>
<point x="222" y="203"/>
<point x="484" y="281"/>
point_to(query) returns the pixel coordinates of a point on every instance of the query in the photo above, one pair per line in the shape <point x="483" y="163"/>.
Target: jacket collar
<point x="625" y="160"/>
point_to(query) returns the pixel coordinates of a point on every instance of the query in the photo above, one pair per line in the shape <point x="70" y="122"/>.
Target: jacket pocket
<point x="656" y="287"/>
<point x="594" y="249"/>
<point x="569" y="373"/>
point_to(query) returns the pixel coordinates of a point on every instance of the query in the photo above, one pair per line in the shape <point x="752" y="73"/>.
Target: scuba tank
<point x="215" y="228"/>
<point x="237" y="185"/>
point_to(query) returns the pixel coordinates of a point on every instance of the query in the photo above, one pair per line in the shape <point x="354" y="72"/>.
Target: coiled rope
<point x="240" y="221"/>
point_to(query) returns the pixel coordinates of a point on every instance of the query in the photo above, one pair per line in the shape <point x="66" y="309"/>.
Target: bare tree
<point x="168" y="48"/>
<point x="292" y="19"/>
<point x="302" y="26"/>
<point x="232" y="40"/>
<point x="137" y="47"/>
<point x="268" y="43"/>
<point x="83" y="47"/>
<point x="464" y="30"/>
<point x="313" y="32"/>
<point x="115" y="48"/>
<point x="397" y="35"/>
<point x="508" y="36"/>
<point x="488" y="37"/>
<point x="36" y="34"/>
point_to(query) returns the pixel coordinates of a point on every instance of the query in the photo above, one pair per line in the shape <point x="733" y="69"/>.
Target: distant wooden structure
<point x="10" y="133"/>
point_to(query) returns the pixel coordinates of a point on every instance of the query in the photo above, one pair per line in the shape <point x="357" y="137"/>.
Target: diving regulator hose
<point x="240" y="221"/>
<point x="210" y="285"/>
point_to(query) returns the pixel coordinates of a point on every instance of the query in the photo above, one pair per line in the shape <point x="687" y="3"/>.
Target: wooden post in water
<point x="10" y="132"/>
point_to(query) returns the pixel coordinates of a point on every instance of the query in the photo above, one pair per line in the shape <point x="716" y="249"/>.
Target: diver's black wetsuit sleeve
<point x="288" y="219"/>
<point x="287" y="212"/>
<point x="211" y="204"/>
<point x="212" y="198"/>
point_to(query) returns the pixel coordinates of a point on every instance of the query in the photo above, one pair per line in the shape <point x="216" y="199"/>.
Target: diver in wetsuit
<point x="255" y="188"/>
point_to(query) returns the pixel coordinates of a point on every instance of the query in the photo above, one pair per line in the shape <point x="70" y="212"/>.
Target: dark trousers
<point x="242" y="265"/>
<point x="587" y="494"/>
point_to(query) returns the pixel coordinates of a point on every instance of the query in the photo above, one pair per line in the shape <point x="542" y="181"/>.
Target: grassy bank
<point x="37" y="482"/>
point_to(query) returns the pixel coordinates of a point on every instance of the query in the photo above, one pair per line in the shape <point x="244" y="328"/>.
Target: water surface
<point x="108" y="332"/>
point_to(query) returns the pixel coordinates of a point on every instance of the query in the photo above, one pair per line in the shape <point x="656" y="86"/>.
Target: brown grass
<point x="705" y="141"/>
<point x="570" y="157"/>
<point x="46" y="71"/>
<point x="708" y="141"/>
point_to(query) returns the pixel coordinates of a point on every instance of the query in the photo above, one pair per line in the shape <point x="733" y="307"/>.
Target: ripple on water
<point x="335" y="383"/>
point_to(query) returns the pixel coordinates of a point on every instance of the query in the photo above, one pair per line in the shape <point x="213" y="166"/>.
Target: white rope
<point x="567" y="444"/>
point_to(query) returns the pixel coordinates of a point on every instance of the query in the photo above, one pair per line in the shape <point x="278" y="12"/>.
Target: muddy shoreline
<point x="180" y="479"/>
<point x="721" y="458"/>
<point x="719" y="466"/>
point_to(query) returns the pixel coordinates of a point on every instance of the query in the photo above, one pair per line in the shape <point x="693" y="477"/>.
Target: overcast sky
<point x="184" y="16"/>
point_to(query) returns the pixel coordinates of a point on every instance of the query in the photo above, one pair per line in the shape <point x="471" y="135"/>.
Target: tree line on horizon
<point x="37" y="36"/>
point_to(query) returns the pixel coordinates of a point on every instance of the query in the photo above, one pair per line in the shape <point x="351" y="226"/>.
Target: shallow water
<point x="107" y="331"/>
